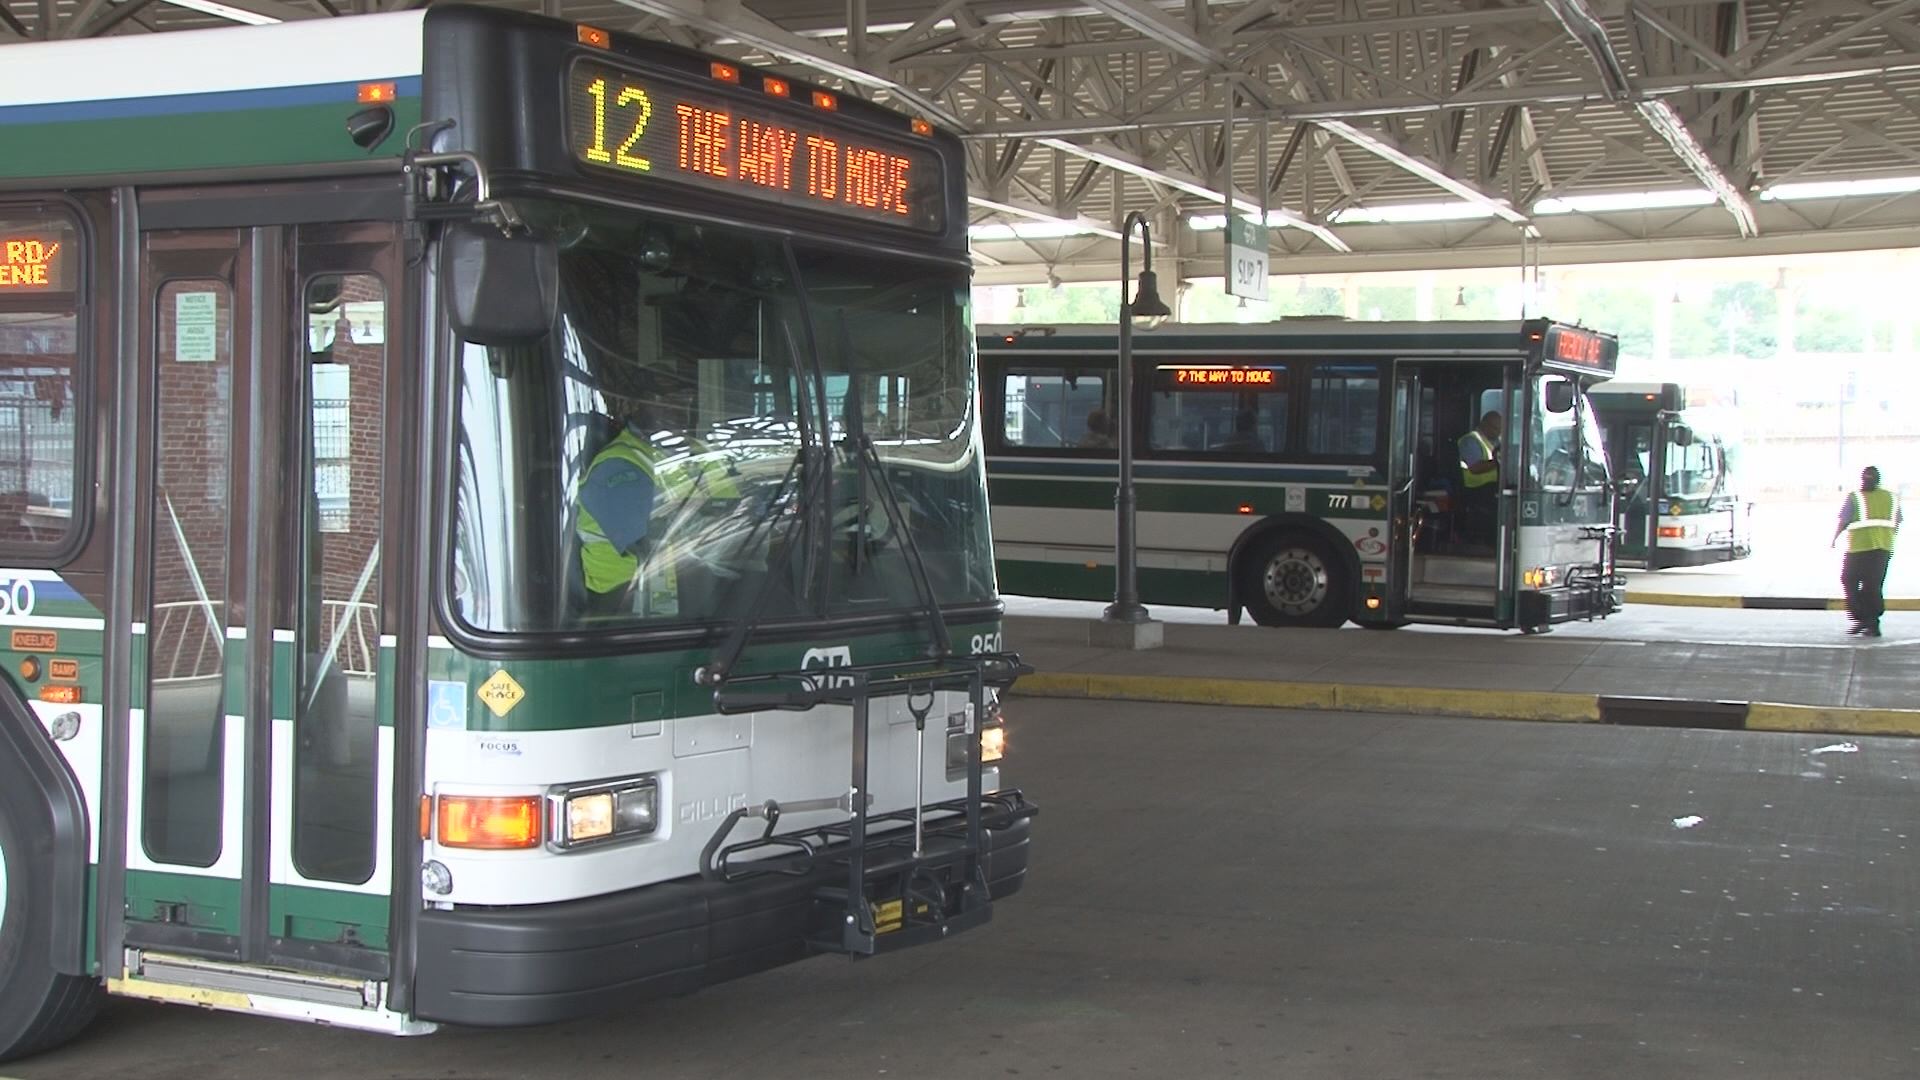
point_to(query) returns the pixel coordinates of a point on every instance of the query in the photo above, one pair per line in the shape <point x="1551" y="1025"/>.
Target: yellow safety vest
<point x="1473" y="479"/>
<point x="607" y="568"/>
<point x="1875" y="520"/>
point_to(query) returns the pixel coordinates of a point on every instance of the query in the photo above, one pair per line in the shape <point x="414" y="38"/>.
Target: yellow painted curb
<point x="1488" y="704"/>
<point x="1340" y="697"/>
<point x="1660" y="599"/>
<point x="1832" y="720"/>
<point x="1682" y="599"/>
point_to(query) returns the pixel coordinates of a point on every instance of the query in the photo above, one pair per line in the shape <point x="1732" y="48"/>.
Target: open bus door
<point x="1406" y="516"/>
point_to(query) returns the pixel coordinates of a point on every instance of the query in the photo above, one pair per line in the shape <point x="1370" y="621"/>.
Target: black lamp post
<point x="1146" y="303"/>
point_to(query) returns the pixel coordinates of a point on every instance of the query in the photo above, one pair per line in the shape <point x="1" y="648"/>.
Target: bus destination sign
<point x="32" y="263"/>
<point x="1580" y="348"/>
<point x="636" y="125"/>
<point x="1219" y="378"/>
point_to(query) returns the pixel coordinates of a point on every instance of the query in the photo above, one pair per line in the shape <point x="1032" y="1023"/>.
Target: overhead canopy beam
<point x="731" y="19"/>
<point x="1586" y="28"/>
<point x="1181" y="180"/>
<point x="250" y="12"/>
<point x="1383" y="147"/>
<point x="1034" y="213"/>
<point x="1155" y="25"/>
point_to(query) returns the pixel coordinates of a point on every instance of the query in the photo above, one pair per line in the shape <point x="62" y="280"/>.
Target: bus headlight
<point x="604" y="812"/>
<point x="993" y="739"/>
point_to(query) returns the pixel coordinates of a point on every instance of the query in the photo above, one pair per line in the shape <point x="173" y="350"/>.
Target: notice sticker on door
<point x="196" y="328"/>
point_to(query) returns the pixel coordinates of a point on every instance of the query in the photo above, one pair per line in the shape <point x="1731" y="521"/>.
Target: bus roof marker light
<point x="594" y="36"/>
<point x="1246" y="508"/>
<point x="824" y="100"/>
<point x="776" y="87"/>
<point x="725" y="72"/>
<point x="921" y="127"/>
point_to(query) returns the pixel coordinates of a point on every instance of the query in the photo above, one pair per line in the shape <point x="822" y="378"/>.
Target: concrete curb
<point x="1759" y="603"/>
<point x="1535" y="705"/>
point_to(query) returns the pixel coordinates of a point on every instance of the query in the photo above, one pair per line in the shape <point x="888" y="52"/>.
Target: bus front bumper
<point x="543" y="963"/>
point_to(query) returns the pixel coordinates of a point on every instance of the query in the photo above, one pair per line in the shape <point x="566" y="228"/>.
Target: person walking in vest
<point x="1870" y="517"/>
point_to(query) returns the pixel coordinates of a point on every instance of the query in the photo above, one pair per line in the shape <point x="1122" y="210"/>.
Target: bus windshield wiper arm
<point x="868" y="465"/>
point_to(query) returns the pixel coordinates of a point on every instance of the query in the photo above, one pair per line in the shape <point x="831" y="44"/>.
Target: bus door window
<point x="1210" y="409"/>
<point x="1059" y="409"/>
<point x="1556" y="435"/>
<point x="185" y="754"/>
<point x="336" y="717"/>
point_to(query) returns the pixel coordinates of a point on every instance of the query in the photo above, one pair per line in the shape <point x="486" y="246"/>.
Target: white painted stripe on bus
<point x="435" y="641"/>
<point x="306" y="53"/>
<point x="389" y="641"/>
<point x="24" y="574"/>
<point x="283" y="635"/>
<point x="139" y="629"/>
<point x="236" y="633"/>
<point x="53" y="622"/>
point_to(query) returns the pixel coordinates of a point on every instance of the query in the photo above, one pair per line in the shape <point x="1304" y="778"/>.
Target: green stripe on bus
<point x="1261" y="499"/>
<point x="297" y="135"/>
<point x="1077" y="581"/>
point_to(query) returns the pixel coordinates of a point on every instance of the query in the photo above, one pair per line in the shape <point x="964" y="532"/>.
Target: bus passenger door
<point x="1403" y="486"/>
<point x="259" y="775"/>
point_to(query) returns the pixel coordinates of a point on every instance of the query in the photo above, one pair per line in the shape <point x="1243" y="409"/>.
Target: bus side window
<point x="1343" y="410"/>
<point x="41" y="373"/>
<point x="1057" y="410"/>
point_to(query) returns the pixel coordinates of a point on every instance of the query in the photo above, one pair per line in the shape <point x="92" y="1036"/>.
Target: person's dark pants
<point x="1479" y="515"/>
<point x="1864" y="574"/>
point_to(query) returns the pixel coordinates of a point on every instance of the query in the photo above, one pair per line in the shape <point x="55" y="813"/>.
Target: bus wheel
<point x="1290" y="580"/>
<point x="39" y="1008"/>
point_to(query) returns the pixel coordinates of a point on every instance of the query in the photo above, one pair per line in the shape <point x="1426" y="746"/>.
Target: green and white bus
<point x="1684" y="462"/>
<point x="314" y="339"/>
<point x="1308" y="472"/>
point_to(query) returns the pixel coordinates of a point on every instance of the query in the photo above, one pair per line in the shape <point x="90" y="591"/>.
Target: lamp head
<point x="1146" y="301"/>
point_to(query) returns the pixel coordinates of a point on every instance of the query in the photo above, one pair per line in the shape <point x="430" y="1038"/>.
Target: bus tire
<point x="1290" y="579"/>
<point x="39" y="1007"/>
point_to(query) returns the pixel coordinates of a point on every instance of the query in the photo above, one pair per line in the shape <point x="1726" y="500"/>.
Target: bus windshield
<point x="1567" y="448"/>
<point x="1693" y="471"/>
<point x="686" y="445"/>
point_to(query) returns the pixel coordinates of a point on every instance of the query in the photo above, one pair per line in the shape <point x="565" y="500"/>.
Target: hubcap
<point x="1296" y="581"/>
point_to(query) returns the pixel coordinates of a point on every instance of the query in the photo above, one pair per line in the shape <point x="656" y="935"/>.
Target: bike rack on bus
<point x="933" y="874"/>
<point x="1605" y="580"/>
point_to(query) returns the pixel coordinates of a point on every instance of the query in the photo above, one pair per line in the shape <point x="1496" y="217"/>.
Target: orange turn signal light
<point x="377" y="93"/>
<point x="1246" y="508"/>
<point x="488" y="822"/>
<point x="60" y="695"/>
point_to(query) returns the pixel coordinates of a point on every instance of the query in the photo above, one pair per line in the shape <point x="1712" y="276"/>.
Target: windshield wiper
<point x="868" y="465"/>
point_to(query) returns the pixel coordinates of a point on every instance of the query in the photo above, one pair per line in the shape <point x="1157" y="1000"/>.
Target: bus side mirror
<point x="1559" y="396"/>
<point x="499" y="289"/>
<point x="1681" y="434"/>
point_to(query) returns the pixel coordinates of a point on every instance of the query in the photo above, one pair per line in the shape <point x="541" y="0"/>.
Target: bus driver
<point x="1480" y="479"/>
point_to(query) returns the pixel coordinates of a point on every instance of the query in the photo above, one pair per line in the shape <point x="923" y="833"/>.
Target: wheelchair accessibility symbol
<point x="446" y="706"/>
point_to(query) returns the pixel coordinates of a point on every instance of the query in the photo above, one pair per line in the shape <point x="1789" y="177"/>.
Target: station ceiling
<point x="1379" y="134"/>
